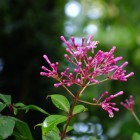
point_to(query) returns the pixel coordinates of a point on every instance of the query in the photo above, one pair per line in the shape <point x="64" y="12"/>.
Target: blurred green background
<point x="29" y="29"/>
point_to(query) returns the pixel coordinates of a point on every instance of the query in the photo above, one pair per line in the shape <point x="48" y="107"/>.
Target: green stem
<point x="93" y="104"/>
<point x="98" y="83"/>
<point x="135" y="116"/>
<point x="70" y="114"/>
<point x="69" y="91"/>
<point x="59" y="79"/>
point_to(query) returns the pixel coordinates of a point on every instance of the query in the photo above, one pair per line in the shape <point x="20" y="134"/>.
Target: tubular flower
<point x="129" y="103"/>
<point x="107" y="105"/>
<point x="119" y="73"/>
<point x="47" y="72"/>
<point x="87" y="66"/>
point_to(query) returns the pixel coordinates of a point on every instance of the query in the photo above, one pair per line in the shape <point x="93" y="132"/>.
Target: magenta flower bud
<point x="89" y="40"/>
<point x="70" y="75"/>
<point x="79" y="64"/>
<point x="129" y="103"/>
<point x="68" y="58"/>
<point x="69" y="84"/>
<point x="73" y="40"/>
<point x="83" y="40"/>
<point x="63" y="39"/>
<point x="43" y="73"/>
<point x="112" y="50"/>
<point x="118" y="59"/>
<point x="44" y="68"/>
<point x="89" y="59"/>
<point x="111" y="114"/>
<point x="57" y="85"/>
<point x="106" y="104"/>
<point x="94" y="80"/>
<point x="130" y="74"/>
<point x="46" y="58"/>
<point x="113" y="104"/>
<point x="77" y="70"/>
<point x="78" y="80"/>
<point x="116" y="109"/>
<point x="119" y="93"/>
<point x="124" y="64"/>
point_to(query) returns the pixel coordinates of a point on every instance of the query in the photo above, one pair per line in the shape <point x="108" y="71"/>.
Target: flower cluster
<point x="50" y="73"/>
<point x="88" y="67"/>
<point x="129" y="103"/>
<point x="106" y="104"/>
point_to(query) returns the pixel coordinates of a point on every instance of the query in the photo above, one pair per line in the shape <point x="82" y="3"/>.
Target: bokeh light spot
<point x="91" y="29"/>
<point x="72" y="9"/>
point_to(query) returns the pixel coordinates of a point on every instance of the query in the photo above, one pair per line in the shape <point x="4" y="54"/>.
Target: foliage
<point x="28" y="29"/>
<point x="135" y="136"/>
<point x="12" y="126"/>
<point x="89" y="70"/>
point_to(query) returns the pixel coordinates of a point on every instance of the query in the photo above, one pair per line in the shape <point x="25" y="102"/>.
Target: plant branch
<point x="70" y="114"/>
<point x="94" y="104"/>
<point x="135" y="116"/>
<point x="69" y="91"/>
<point x="98" y="83"/>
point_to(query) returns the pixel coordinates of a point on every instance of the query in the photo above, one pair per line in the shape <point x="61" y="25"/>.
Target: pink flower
<point x="119" y="73"/>
<point x="107" y="105"/>
<point x="47" y="72"/>
<point x="129" y="103"/>
<point x="87" y="67"/>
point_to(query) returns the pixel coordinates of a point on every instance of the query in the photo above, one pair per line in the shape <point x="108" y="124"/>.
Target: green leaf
<point x="1" y="138"/>
<point x="136" y="136"/>
<point x="52" y="135"/>
<point x="22" y="130"/>
<point x="19" y="105"/>
<point x="15" y="110"/>
<point x="6" y="99"/>
<point x="7" y="125"/>
<point x="67" y="138"/>
<point x="30" y="107"/>
<point x="2" y="106"/>
<point x="40" y="124"/>
<point x="50" y="123"/>
<point x="92" y="138"/>
<point x="69" y="128"/>
<point x="61" y="102"/>
<point x="79" y="109"/>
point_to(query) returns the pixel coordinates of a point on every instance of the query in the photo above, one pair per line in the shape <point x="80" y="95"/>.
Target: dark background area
<point x="29" y="29"/>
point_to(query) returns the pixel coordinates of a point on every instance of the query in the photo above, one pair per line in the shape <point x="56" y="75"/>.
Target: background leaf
<point x="30" y="107"/>
<point x="61" y="102"/>
<point x="92" y="138"/>
<point x="6" y="99"/>
<point x="136" y="136"/>
<point x="7" y="125"/>
<point x="22" y="130"/>
<point x="2" y="106"/>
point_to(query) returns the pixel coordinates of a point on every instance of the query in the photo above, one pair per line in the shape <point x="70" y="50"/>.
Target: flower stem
<point x="70" y="114"/>
<point x="93" y="104"/>
<point x="69" y="91"/>
<point x="135" y="116"/>
<point x="99" y="82"/>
